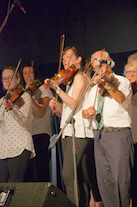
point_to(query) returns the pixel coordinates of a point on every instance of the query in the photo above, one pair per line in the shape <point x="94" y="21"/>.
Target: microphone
<point x="110" y="63"/>
<point x="20" y="6"/>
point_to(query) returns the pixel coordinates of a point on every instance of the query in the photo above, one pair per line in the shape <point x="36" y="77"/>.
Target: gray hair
<point x="133" y="56"/>
<point x="104" y="53"/>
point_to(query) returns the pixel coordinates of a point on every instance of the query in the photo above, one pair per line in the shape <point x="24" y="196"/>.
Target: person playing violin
<point x="88" y="158"/>
<point x="111" y="120"/>
<point x="131" y="74"/>
<point x="16" y="144"/>
<point x="41" y="125"/>
<point x="74" y="90"/>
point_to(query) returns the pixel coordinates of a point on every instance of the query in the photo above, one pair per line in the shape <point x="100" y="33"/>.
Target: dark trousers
<point x="14" y="168"/>
<point x="38" y="169"/>
<point x="89" y="168"/>
<point x="134" y="180"/>
<point x="114" y="157"/>
<point x="68" y="169"/>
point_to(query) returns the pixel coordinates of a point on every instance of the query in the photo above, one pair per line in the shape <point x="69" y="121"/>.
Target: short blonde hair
<point x="132" y="65"/>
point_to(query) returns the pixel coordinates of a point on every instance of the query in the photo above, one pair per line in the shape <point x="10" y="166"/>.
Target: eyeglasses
<point x="131" y="72"/>
<point x="5" y="79"/>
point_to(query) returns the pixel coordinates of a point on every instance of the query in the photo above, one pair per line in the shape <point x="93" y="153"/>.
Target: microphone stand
<point x="6" y="18"/>
<point x="70" y="119"/>
<point x="74" y="164"/>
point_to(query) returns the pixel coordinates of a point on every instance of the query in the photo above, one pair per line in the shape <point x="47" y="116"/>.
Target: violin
<point x="33" y="87"/>
<point x="106" y="76"/>
<point x="64" y="76"/>
<point x="13" y="95"/>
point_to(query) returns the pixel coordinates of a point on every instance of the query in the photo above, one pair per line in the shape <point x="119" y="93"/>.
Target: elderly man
<point x="109" y="104"/>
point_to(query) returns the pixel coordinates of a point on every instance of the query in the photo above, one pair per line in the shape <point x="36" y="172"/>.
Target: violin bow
<point x="31" y="66"/>
<point x="101" y="57"/>
<point x="13" y="76"/>
<point x="62" y="39"/>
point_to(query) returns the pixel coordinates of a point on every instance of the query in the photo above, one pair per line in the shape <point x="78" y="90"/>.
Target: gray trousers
<point x="114" y="158"/>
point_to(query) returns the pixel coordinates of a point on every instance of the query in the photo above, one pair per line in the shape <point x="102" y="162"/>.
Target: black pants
<point x="14" y="168"/>
<point x="38" y="169"/>
<point x="68" y="169"/>
<point x="89" y="169"/>
<point x="134" y="180"/>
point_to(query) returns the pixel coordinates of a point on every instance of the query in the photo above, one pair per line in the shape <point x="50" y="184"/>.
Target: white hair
<point x="104" y="53"/>
<point x="133" y="56"/>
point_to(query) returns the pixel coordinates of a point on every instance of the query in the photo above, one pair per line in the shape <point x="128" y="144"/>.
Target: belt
<point x="113" y="129"/>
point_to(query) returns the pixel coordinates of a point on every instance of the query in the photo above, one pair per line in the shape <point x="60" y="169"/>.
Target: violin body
<point x="33" y="87"/>
<point x="106" y="76"/>
<point x="64" y="76"/>
<point x="13" y="96"/>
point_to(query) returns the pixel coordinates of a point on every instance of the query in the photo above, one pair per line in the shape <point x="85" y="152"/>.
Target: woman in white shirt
<point x="74" y="90"/>
<point x="16" y="144"/>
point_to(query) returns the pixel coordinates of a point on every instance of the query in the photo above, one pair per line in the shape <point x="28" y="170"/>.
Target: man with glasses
<point x="114" y="152"/>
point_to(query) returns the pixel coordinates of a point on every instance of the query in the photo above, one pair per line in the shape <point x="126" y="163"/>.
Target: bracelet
<point x="58" y="91"/>
<point x="108" y="87"/>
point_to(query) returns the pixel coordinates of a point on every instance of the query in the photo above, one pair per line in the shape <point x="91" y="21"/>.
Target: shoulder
<point x="123" y="81"/>
<point x="121" y="78"/>
<point x="26" y="96"/>
<point x="46" y="92"/>
<point x="80" y="76"/>
<point x="2" y="98"/>
<point x="93" y="88"/>
<point x="134" y="99"/>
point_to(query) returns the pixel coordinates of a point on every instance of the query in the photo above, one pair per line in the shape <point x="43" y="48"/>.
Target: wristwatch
<point x="58" y="91"/>
<point x="108" y="87"/>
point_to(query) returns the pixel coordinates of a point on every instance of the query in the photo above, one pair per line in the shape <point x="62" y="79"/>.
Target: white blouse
<point x="15" y="128"/>
<point x="82" y="127"/>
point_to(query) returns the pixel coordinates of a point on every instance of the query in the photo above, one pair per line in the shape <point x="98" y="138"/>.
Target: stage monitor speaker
<point x="35" y="194"/>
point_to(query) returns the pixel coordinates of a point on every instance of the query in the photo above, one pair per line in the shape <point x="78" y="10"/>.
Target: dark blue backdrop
<point x="89" y="24"/>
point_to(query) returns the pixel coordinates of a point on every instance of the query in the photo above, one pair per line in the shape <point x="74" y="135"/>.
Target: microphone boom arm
<point x="6" y="18"/>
